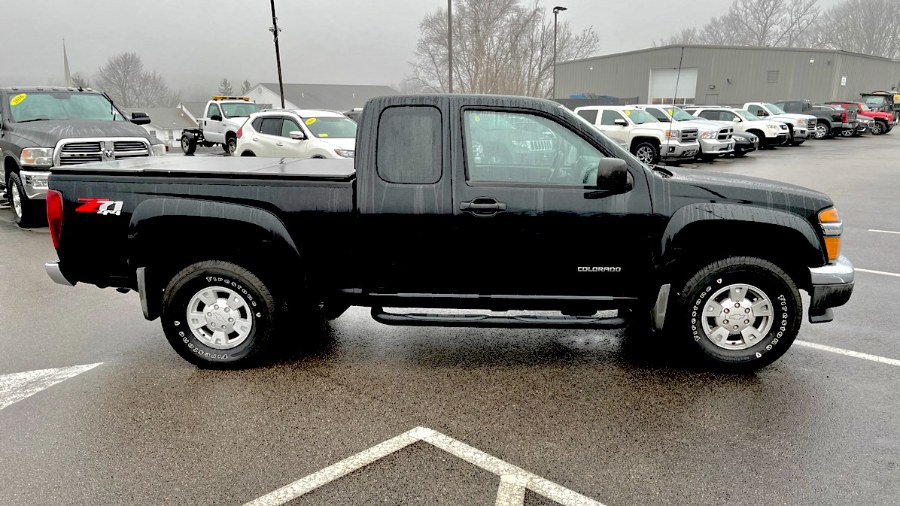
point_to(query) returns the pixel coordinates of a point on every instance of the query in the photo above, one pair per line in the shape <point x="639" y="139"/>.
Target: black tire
<point x="27" y="213"/>
<point x="188" y="144"/>
<point x="257" y="305"/>
<point x="708" y="158"/>
<point x="230" y="145"/>
<point x="879" y="127"/>
<point x="798" y="143"/>
<point x="753" y="275"/>
<point x="648" y="148"/>
<point x="739" y="154"/>
<point x="823" y="130"/>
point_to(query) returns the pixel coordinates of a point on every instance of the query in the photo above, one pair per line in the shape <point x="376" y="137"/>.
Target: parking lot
<point x="484" y="416"/>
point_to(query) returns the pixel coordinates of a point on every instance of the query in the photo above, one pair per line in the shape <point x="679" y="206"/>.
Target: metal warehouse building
<point x="726" y="75"/>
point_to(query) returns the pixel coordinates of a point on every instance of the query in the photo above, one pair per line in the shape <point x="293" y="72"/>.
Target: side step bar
<point x="481" y="320"/>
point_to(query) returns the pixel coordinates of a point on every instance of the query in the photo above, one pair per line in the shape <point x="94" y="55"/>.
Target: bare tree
<point x="79" y="80"/>
<point x="245" y="87"/>
<point x="499" y="47"/>
<point x="129" y="85"/>
<point x="225" y="87"/>
<point x="686" y="36"/>
<point x="861" y="26"/>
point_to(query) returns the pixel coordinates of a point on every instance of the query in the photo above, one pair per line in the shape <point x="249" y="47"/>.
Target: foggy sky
<point x="193" y="44"/>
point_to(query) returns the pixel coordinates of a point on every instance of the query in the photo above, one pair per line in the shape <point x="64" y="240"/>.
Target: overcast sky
<point x="195" y="43"/>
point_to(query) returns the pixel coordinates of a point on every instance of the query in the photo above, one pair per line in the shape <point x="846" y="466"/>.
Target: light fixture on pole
<point x="275" y="30"/>
<point x="556" y="11"/>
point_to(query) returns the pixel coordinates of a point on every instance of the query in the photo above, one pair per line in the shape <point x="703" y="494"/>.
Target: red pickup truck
<point x="884" y="121"/>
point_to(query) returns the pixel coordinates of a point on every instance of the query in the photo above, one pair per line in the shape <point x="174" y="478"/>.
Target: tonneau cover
<point x="220" y="166"/>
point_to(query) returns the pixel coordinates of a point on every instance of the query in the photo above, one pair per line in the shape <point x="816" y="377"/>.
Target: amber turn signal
<point x="833" y="247"/>
<point x="829" y="215"/>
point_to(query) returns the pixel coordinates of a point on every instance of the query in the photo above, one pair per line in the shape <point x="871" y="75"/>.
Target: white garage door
<point x="662" y="86"/>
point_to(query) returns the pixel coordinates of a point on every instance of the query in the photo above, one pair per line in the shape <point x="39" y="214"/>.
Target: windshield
<point x="877" y="101"/>
<point x="39" y="106"/>
<point x="239" y="109"/>
<point x="333" y="128"/>
<point x="774" y="109"/>
<point x="679" y="114"/>
<point x="864" y="107"/>
<point x="640" y="116"/>
<point x="745" y="114"/>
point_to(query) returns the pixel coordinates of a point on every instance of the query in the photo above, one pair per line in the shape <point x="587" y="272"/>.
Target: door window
<point x="271" y="126"/>
<point x="213" y="111"/>
<point x="289" y="126"/>
<point x="410" y="144"/>
<point x="755" y="110"/>
<point x="610" y="117"/>
<point x="589" y="114"/>
<point x="505" y="147"/>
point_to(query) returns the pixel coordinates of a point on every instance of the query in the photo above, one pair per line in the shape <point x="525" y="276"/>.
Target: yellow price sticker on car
<point x="16" y="100"/>
<point x="310" y="121"/>
<point x="323" y="135"/>
<point x="627" y="113"/>
<point x="671" y="111"/>
<point x="477" y="118"/>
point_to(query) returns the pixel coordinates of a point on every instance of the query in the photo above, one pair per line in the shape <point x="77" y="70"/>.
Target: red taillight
<point x="240" y="132"/>
<point x="843" y="117"/>
<point x="54" y="215"/>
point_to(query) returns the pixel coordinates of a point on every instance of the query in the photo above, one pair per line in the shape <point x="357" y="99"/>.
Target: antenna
<point x="678" y="78"/>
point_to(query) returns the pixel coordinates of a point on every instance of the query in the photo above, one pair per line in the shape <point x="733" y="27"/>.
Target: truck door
<point x="615" y="126"/>
<point x="758" y="111"/>
<point x="212" y="125"/>
<point x="530" y="219"/>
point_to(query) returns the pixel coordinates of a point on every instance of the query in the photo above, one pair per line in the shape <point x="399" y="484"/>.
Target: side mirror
<point x="297" y="135"/>
<point x="612" y="175"/>
<point x="620" y="122"/>
<point x="737" y="120"/>
<point x="140" y="118"/>
<point x="215" y="117"/>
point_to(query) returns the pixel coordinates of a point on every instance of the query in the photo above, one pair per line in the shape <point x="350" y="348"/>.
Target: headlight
<point x="42" y="157"/>
<point x="158" y="149"/>
<point x="675" y="134"/>
<point x="708" y="135"/>
<point x="345" y="153"/>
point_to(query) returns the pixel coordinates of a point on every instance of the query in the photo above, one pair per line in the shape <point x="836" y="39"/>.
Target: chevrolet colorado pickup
<point x="483" y="203"/>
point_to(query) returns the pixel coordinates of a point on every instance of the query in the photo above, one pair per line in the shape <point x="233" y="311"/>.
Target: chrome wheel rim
<point x="876" y="128"/>
<point x="185" y="144"/>
<point x="821" y="132"/>
<point x="645" y="154"/>
<point x="16" y="198"/>
<point x="737" y="317"/>
<point x="219" y="317"/>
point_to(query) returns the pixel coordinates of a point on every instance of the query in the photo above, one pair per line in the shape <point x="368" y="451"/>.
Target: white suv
<point x="646" y="138"/>
<point x="770" y="133"/>
<point x="301" y="133"/>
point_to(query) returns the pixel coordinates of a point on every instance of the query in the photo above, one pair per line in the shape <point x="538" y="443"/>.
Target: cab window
<point x="289" y="126"/>
<point x="589" y="114"/>
<point x="522" y="148"/>
<point x="213" y="111"/>
<point x="271" y="126"/>
<point x="610" y="117"/>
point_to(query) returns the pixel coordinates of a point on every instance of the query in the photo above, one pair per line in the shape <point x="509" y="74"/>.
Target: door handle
<point x="279" y="144"/>
<point x="482" y="206"/>
<point x="255" y="139"/>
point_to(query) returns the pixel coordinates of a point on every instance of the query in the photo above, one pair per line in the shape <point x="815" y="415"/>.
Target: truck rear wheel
<point x="218" y="315"/>
<point x="823" y="130"/>
<point x="230" y="145"/>
<point x="738" y="314"/>
<point x="188" y="144"/>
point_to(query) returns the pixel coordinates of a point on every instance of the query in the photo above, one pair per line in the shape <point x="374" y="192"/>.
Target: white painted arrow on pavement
<point x="17" y="386"/>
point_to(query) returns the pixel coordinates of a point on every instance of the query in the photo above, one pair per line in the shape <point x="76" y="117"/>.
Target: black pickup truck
<point x="490" y="204"/>
<point x="829" y="122"/>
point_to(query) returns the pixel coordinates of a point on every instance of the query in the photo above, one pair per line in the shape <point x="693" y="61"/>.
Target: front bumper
<point x="679" y="150"/>
<point x="800" y="133"/>
<point x="716" y="146"/>
<point x="35" y="183"/>
<point x="831" y="286"/>
<point x="56" y="274"/>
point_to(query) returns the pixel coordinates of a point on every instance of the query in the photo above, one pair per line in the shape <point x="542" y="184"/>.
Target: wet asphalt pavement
<point x="607" y="414"/>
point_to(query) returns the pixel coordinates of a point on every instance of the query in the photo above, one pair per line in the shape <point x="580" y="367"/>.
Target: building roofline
<point x="746" y="48"/>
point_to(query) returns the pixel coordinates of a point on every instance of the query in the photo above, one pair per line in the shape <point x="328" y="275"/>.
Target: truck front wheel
<point x="26" y="212"/>
<point x="218" y="315"/>
<point x="738" y="314"/>
<point x="879" y="127"/>
<point x="646" y="152"/>
<point x="188" y="144"/>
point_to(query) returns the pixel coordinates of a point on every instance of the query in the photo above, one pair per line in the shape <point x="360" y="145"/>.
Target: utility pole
<point x="275" y="31"/>
<point x="450" y="43"/>
<point x="556" y="11"/>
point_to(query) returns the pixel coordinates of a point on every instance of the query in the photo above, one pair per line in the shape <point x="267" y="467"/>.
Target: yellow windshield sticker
<point x="323" y="135"/>
<point x="671" y="111"/>
<point x="16" y="100"/>
<point x="477" y="118"/>
<point x="310" y="121"/>
<point x="627" y="113"/>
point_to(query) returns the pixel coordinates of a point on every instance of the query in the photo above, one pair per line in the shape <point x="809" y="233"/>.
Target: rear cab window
<point x="409" y="145"/>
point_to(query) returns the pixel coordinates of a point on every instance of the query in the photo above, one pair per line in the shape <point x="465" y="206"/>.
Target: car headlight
<point x="708" y="135"/>
<point x="345" y="153"/>
<point x="675" y="134"/>
<point x="41" y="157"/>
<point x="158" y="149"/>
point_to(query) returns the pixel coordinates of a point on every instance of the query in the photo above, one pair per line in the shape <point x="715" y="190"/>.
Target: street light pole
<point x="450" y="44"/>
<point x="275" y="31"/>
<point x="556" y="11"/>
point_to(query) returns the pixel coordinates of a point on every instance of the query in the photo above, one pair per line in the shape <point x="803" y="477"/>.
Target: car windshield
<point x="62" y="105"/>
<point x="877" y="101"/>
<point x="745" y="114"/>
<point x="331" y="127"/>
<point x="864" y="107"/>
<point x="640" y="117"/>
<point x="239" y="109"/>
<point x="679" y="115"/>
<point x="774" y="108"/>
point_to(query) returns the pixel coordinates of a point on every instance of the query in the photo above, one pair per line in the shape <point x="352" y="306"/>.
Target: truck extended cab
<point x="828" y="122"/>
<point x="471" y="202"/>
<point x="800" y="126"/>
<point x="223" y="117"/>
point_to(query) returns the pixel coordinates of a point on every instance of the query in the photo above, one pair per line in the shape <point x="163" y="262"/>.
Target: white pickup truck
<point x="800" y="126"/>
<point x="770" y="133"/>
<point x="222" y="118"/>
<point x="647" y="139"/>
<point x="715" y="139"/>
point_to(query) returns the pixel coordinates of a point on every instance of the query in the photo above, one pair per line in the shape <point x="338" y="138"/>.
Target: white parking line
<point x="850" y="353"/>
<point x="17" y="386"/>
<point x="878" y="272"/>
<point x="883" y="231"/>
<point x="513" y="480"/>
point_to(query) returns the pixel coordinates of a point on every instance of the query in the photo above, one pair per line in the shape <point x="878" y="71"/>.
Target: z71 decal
<point x="100" y="206"/>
